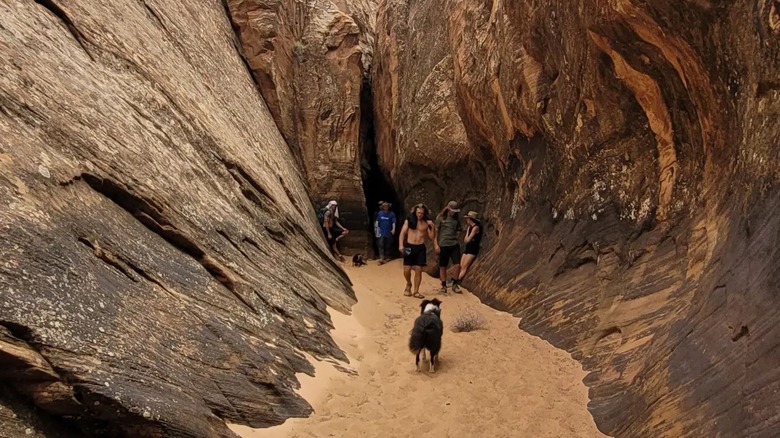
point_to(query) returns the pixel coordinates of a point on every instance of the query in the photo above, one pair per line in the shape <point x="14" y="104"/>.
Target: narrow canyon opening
<point x="376" y="184"/>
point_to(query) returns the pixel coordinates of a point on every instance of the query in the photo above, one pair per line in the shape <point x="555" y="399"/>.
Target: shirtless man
<point x="333" y="229"/>
<point x="416" y="228"/>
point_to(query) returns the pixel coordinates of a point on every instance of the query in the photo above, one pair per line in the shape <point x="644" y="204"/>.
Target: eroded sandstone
<point x="161" y="268"/>
<point x="311" y="59"/>
<point x="624" y="155"/>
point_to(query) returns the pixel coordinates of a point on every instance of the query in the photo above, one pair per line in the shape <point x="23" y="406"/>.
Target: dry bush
<point x="468" y="321"/>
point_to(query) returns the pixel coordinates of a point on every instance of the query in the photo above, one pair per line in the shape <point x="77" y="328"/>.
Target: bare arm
<point x="470" y="235"/>
<point x="432" y="232"/>
<point x="435" y="236"/>
<point x="402" y="237"/>
<point x="326" y="223"/>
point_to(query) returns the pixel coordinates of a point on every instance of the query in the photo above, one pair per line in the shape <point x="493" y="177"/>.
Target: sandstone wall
<point x="310" y="59"/>
<point x="624" y="154"/>
<point x="161" y="268"/>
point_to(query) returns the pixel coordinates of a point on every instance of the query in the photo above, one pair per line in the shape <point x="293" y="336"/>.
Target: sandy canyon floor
<point x="498" y="381"/>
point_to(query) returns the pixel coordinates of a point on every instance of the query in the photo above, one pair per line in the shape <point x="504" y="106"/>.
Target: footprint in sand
<point x="501" y="382"/>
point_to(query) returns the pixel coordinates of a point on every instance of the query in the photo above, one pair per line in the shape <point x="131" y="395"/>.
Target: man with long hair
<point x="411" y="243"/>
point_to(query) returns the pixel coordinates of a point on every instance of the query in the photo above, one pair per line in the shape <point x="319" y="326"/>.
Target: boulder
<point x="624" y="158"/>
<point x="161" y="268"/>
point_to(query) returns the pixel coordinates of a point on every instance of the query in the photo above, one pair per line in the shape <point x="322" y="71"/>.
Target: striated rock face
<point x="20" y="419"/>
<point x="310" y="59"/>
<point x="624" y="154"/>
<point x="161" y="269"/>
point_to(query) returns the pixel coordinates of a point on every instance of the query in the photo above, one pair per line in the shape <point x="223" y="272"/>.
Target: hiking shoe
<point x="456" y="288"/>
<point x="443" y="290"/>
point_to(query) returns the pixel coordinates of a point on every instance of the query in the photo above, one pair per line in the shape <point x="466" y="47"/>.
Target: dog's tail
<point x="424" y="326"/>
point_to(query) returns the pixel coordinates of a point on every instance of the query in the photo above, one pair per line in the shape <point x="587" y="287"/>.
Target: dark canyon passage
<point x="623" y="155"/>
<point x="376" y="185"/>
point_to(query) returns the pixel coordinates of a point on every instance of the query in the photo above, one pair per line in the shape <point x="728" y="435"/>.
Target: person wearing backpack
<point x="386" y="221"/>
<point x="332" y="228"/>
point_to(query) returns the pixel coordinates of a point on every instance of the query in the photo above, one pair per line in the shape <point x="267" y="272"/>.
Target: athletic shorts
<point x="448" y="253"/>
<point x="415" y="255"/>
<point x="471" y="249"/>
<point x="335" y="232"/>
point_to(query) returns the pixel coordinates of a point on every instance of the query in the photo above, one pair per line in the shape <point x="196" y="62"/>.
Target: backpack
<point x="321" y="214"/>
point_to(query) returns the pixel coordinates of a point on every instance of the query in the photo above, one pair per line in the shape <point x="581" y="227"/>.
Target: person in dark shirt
<point x="385" y="231"/>
<point x="473" y="239"/>
<point x="447" y="245"/>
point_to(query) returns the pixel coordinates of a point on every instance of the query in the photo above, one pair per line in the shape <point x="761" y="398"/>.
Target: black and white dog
<point x="358" y="260"/>
<point x="427" y="332"/>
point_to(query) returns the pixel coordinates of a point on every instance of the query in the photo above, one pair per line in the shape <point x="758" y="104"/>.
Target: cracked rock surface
<point x="161" y="268"/>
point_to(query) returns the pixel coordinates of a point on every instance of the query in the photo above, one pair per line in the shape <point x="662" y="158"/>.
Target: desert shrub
<point x="468" y="321"/>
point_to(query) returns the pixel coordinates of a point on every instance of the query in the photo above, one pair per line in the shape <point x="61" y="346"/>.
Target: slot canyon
<point x="162" y="271"/>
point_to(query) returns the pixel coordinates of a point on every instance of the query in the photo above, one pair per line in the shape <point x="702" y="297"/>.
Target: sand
<point x="498" y="382"/>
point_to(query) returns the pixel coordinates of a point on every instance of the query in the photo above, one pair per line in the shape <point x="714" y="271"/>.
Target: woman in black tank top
<point x="473" y="239"/>
<point x="472" y="246"/>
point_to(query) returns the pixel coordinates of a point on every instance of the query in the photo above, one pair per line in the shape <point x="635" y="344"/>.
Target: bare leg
<point x="417" y="279"/>
<point x="456" y="279"/>
<point x="341" y="236"/>
<point x="465" y="261"/>
<point x="443" y="278"/>
<point x="408" y="277"/>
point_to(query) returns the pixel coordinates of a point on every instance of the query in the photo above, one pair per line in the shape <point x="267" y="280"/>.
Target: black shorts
<point x="416" y="255"/>
<point x="471" y="249"/>
<point x="448" y="253"/>
<point x="334" y="232"/>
